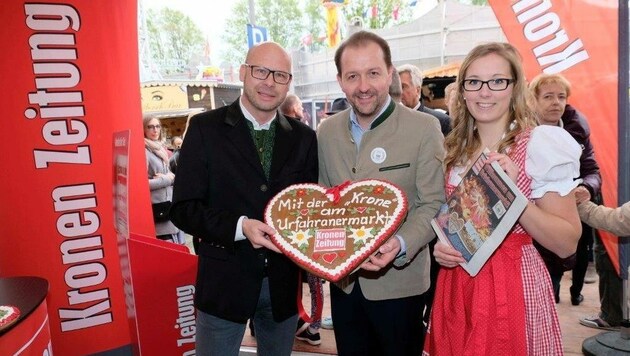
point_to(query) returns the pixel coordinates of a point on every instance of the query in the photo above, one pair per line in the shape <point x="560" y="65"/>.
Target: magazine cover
<point x="479" y="214"/>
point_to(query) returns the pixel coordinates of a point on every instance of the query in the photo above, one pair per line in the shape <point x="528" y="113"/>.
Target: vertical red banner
<point x="579" y="39"/>
<point x="69" y="81"/>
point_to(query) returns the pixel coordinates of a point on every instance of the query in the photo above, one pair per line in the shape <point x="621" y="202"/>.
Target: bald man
<point x="233" y="161"/>
<point x="292" y="108"/>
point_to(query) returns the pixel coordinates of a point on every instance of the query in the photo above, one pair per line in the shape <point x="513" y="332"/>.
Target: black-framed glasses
<point x="496" y="84"/>
<point x="262" y="73"/>
<point x="154" y="127"/>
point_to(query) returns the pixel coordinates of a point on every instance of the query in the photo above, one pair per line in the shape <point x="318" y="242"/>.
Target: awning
<point x="167" y="114"/>
<point x="191" y="83"/>
<point x="447" y="70"/>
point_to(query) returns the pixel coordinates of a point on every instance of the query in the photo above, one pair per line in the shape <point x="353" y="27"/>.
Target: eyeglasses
<point x="262" y="73"/>
<point x="154" y="127"/>
<point x="497" y="84"/>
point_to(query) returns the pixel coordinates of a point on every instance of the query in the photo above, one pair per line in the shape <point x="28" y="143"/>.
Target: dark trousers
<point x="384" y="327"/>
<point x="610" y="286"/>
<point x="581" y="260"/>
<point x="556" y="277"/>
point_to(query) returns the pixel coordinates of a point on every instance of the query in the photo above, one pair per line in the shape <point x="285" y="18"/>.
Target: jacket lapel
<point x="239" y="136"/>
<point x="283" y="145"/>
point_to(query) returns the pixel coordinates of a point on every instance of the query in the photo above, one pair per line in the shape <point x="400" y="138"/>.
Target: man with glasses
<point x="233" y="161"/>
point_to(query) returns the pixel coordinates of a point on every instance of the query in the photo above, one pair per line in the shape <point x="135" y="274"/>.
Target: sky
<point x="210" y="16"/>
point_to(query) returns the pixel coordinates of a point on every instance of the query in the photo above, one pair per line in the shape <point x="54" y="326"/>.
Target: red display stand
<point x="160" y="286"/>
<point x="30" y="333"/>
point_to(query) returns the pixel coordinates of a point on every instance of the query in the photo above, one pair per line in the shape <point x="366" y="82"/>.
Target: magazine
<point x="480" y="213"/>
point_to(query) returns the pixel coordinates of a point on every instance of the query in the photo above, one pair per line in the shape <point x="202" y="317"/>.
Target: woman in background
<point x="551" y="92"/>
<point x="160" y="177"/>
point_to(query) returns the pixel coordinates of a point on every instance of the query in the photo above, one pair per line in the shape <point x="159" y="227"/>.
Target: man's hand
<point x="581" y="194"/>
<point x="384" y="256"/>
<point x="258" y="234"/>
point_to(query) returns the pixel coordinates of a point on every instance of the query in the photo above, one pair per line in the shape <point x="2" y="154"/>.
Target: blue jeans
<point x="216" y="336"/>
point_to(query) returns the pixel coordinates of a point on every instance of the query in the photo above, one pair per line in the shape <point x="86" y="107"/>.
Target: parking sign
<point x="256" y="35"/>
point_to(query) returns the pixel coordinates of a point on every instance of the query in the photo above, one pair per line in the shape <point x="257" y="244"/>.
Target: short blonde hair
<point x="544" y="78"/>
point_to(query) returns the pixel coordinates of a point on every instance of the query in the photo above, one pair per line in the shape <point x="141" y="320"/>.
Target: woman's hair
<point x="145" y="121"/>
<point x="543" y="79"/>
<point x="463" y="141"/>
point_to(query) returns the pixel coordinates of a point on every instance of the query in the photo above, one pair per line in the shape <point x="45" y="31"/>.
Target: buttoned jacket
<point x="406" y="149"/>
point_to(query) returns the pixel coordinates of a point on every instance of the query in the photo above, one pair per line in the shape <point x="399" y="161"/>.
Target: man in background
<point x="411" y="80"/>
<point x="292" y="108"/>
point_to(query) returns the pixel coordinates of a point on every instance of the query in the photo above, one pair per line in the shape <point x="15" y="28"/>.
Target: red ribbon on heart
<point x="336" y="191"/>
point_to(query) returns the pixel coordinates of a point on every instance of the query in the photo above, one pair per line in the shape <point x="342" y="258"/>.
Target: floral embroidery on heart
<point x="301" y="192"/>
<point x="300" y="238"/>
<point x="379" y="189"/>
<point x="361" y="235"/>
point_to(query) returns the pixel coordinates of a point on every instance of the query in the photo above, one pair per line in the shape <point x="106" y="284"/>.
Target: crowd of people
<point x="411" y="297"/>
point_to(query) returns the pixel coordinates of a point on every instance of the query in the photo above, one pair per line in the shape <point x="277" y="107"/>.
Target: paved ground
<point x="573" y="334"/>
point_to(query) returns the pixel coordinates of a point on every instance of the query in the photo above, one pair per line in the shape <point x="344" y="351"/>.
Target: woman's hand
<point x="447" y="256"/>
<point x="506" y="164"/>
<point x="168" y="176"/>
<point x="581" y="194"/>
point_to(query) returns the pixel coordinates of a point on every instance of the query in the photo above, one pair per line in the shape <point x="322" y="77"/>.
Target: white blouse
<point x="552" y="161"/>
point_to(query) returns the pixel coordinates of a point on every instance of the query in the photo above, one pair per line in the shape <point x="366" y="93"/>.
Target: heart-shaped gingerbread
<point x="330" y="232"/>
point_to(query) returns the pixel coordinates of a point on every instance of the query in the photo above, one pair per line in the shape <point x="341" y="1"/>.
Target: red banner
<point x="70" y="79"/>
<point x="578" y="39"/>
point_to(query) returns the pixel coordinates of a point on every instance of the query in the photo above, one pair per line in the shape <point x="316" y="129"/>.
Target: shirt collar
<point x="353" y="116"/>
<point x="251" y="118"/>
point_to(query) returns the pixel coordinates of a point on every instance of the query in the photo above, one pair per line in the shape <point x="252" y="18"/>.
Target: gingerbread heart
<point x="330" y="232"/>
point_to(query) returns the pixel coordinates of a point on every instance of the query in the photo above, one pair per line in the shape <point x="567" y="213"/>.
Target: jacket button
<point x="263" y="188"/>
<point x="354" y="170"/>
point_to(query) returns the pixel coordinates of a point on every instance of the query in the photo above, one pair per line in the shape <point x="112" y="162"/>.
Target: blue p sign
<point x="256" y="35"/>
